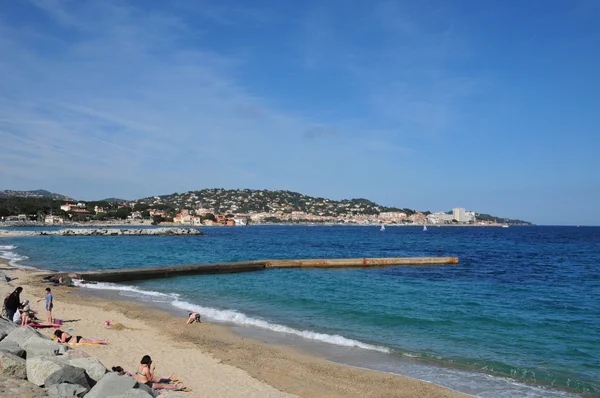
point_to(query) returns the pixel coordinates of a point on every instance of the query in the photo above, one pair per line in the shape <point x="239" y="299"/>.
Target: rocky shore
<point x="33" y="365"/>
<point x="107" y="232"/>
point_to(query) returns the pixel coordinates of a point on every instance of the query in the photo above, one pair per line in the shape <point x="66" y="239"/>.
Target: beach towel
<point x="42" y="325"/>
<point x="92" y="344"/>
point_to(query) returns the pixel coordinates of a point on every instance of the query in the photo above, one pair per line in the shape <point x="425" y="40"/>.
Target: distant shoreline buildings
<point x="239" y="207"/>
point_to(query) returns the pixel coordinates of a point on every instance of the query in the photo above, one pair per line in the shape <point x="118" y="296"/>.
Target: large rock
<point x="147" y="389"/>
<point x="74" y="353"/>
<point x="38" y="369"/>
<point x="114" y="384"/>
<point x="92" y="366"/>
<point x="133" y="393"/>
<point x="111" y="384"/>
<point x="68" y="374"/>
<point x="66" y="390"/>
<point x="12" y="348"/>
<point x="6" y="327"/>
<point x="42" y="347"/>
<point x="12" y="366"/>
<point x="14" y="388"/>
<point x="21" y="334"/>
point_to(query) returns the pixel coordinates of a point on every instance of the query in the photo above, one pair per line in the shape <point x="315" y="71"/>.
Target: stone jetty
<point x="110" y="232"/>
<point x="32" y="365"/>
<point x="132" y="274"/>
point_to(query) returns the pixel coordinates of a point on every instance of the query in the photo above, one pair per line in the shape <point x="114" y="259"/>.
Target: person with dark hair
<point x="145" y="375"/>
<point x="12" y="302"/>
<point x="66" y="338"/>
<point x="121" y="371"/>
<point x="193" y="317"/>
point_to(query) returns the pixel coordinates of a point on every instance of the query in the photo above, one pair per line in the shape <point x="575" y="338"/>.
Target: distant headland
<point x="226" y="207"/>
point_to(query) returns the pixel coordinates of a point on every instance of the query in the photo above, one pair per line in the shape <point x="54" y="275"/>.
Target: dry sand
<point x="210" y="359"/>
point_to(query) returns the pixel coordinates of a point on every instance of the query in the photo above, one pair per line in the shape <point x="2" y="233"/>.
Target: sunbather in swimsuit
<point x="145" y="375"/>
<point x="66" y="338"/>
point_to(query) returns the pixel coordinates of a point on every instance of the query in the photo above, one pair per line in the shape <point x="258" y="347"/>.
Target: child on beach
<point x="49" y="305"/>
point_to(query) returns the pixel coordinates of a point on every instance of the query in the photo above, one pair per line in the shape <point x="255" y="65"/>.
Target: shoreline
<point x="226" y="363"/>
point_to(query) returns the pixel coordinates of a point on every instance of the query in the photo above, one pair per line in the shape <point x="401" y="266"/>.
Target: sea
<point x="519" y="316"/>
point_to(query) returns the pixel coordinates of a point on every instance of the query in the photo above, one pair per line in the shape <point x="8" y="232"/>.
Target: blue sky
<point x="493" y="106"/>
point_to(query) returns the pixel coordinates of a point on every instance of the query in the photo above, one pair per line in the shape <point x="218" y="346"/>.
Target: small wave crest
<point x="228" y="315"/>
<point x="127" y="290"/>
<point x="242" y="319"/>
<point x="7" y="253"/>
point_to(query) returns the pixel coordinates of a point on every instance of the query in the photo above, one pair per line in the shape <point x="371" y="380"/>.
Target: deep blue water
<point x="523" y="303"/>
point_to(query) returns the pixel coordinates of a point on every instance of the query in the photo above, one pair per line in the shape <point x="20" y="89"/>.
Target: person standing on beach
<point x="12" y="302"/>
<point x="49" y="305"/>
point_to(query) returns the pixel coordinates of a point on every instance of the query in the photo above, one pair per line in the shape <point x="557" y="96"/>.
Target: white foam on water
<point x="7" y="253"/>
<point x="128" y="290"/>
<point x="242" y="319"/>
<point x="477" y="384"/>
<point x="231" y="316"/>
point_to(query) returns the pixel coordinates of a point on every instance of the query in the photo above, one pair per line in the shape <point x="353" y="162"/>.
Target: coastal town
<point x="212" y="207"/>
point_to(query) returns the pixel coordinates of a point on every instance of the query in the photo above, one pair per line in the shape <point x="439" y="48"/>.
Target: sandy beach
<point x="211" y="359"/>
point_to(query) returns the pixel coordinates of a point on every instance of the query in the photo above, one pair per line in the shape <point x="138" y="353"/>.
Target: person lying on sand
<point x="66" y="338"/>
<point x="145" y="375"/>
<point x="193" y="317"/>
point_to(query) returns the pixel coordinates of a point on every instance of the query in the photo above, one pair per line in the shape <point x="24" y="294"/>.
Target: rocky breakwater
<point x="31" y="365"/>
<point x="120" y="232"/>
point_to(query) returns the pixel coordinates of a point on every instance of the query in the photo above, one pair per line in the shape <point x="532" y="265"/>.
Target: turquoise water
<point x="523" y="305"/>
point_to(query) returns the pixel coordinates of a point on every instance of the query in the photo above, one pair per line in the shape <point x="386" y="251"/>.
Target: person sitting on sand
<point x="145" y="375"/>
<point x="30" y="313"/>
<point x="66" y="338"/>
<point x="193" y="317"/>
<point x="20" y="317"/>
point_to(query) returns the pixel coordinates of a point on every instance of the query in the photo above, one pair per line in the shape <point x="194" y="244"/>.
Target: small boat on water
<point x="382" y="228"/>
<point x="424" y="227"/>
<point x="505" y="226"/>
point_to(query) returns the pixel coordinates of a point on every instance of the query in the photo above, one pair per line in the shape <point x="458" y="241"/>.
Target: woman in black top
<point x="12" y="302"/>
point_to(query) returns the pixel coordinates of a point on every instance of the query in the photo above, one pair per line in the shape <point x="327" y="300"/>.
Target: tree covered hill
<point x="219" y="201"/>
<point x="248" y="200"/>
<point x="39" y="193"/>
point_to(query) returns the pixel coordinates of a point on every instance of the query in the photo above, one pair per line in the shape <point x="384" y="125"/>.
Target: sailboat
<point x="424" y="227"/>
<point x="382" y="227"/>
